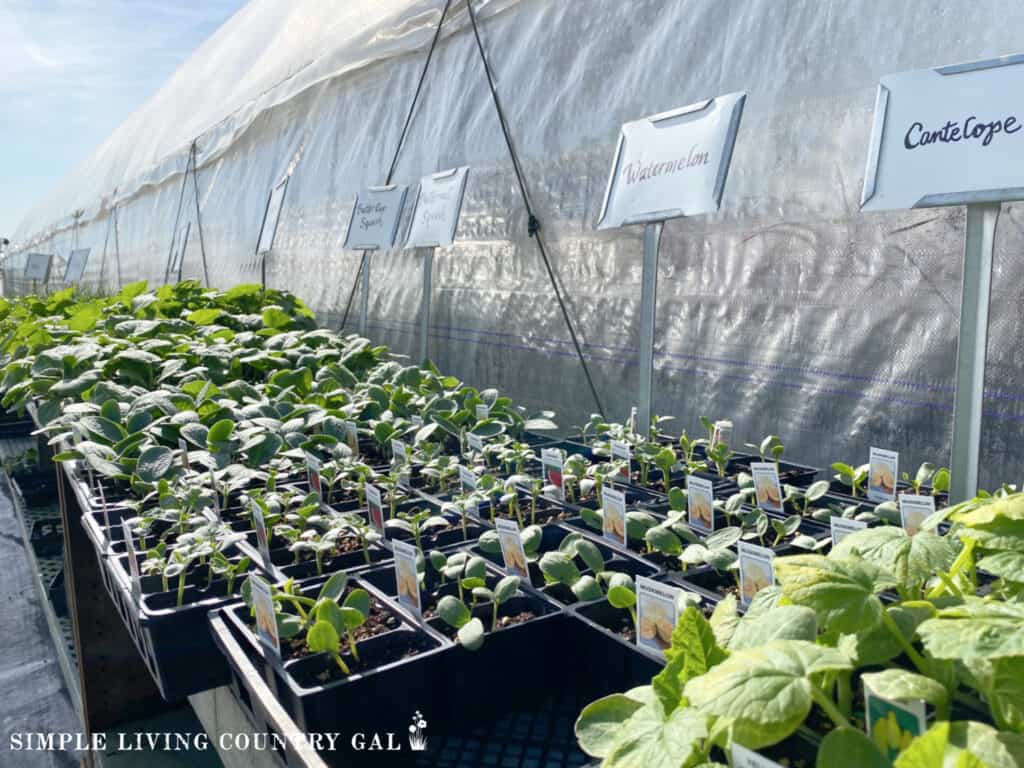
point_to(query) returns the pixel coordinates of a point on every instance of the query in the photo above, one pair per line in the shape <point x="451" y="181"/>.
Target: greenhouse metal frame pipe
<point x="648" y="317"/>
<point x="979" y="244"/>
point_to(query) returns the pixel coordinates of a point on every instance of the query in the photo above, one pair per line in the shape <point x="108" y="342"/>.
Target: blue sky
<point x="72" y="70"/>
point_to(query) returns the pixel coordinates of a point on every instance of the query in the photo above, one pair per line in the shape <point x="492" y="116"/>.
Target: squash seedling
<point x="503" y="591"/>
<point x="769" y="449"/>
<point x="416" y="522"/>
<point x="559" y="567"/>
<point x="622" y="595"/>
<point x="802" y="498"/>
<point x="466" y="570"/>
<point x="716" y="551"/>
<point x="853" y="478"/>
<point x="929" y="475"/>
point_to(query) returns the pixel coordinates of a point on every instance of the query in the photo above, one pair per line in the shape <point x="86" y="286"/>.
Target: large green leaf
<point x="600" y="723"/>
<point x="901" y="685"/>
<point x="649" y="739"/>
<point x="849" y="748"/>
<point x="976" y="629"/>
<point x="842" y="592"/>
<point x="786" y="622"/>
<point x="693" y="652"/>
<point x="154" y="463"/>
<point x="912" y="560"/>
<point x="963" y="744"/>
<point x="766" y="692"/>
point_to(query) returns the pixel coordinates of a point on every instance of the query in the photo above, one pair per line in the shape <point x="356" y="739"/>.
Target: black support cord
<point x="401" y="143"/>
<point x="534" y="223"/>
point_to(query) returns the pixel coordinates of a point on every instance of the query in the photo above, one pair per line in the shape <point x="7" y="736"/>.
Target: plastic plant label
<point x="133" y="561"/>
<point x="399" y="453"/>
<point x="103" y="506"/>
<point x="672" y="164"/>
<point x="657" y="610"/>
<point x="467" y="479"/>
<point x="512" y="551"/>
<point x="375" y="218"/>
<point x="756" y="570"/>
<point x="475" y="442"/>
<point x="435" y="215"/>
<point x="37" y="267"/>
<point x="841" y="527"/>
<point x="216" y="493"/>
<point x="416" y="420"/>
<point x="551" y="463"/>
<point x="722" y="433"/>
<point x="260" y="524"/>
<point x="375" y="508"/>
<point x="632" y="420"/>
<point x="482" y="412"/>
<point x="914" y="510"/>
<point x="766" y="484"/>
<point x="266" y="617"/>
<point x="183" y="447"/>
<point x="700" y="503"/>
<point x="883" y="469"/>
<point x="316" y="484"/>
<point x="407" y="575"/>
<point x="622" y="450"/>
<point x="613" y="526"/>
<point x="351" y="433"/>
<point x="75" y="268"/>
<point x="892" y="724"/>
<point x="748" y="758"/>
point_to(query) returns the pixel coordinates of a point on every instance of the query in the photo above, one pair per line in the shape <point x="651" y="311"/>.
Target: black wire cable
<point x="534" y="223"/>
<point x="401" y="143"/>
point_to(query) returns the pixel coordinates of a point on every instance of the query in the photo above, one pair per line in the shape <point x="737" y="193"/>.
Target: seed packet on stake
<point x="892" y="724"/>
<point x="551" y="461"/>
<point x="622" y="450"/>
<point x="133" y="562"/>
<point x="883" y="469"/>
<point x="375" y="508"/>
<point x="766" y="483"/>
<point x="614" y="515"/>
<point x="747" y="758"/>
<point x="756" y="570"/>
<point x="467" y="479"/>
<point x="512" y="548"/>
<point x="313" y="476"/>
<point x="407" y="575"/>
<point x="266" y="618"/>
<point x="183" y="447"/>
<point x="351" y="437"/>
<point x="700" y="503"/>
<point x="260" y="524"/>
<point x="841" y="527"/>
<point x="914" y="510"/>
<point x="657" y="610"/>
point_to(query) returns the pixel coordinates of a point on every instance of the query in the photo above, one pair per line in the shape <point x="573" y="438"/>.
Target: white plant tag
<point x="914" y="510"/>
<point x="551" y="461"/>
<point x="700" y="503"/>
<point x="657" y="609"/>
<point x="467" y="479"/>
<point x="622" y="450"/>
<point x="842" y="527"/>
<point x="266" y="617"/>
<point x="614" y="511"/>
<point x="512" y="549"/>
<point x="756" y="570"/>
<point x="883" y="469"/>
<point x="260" y="524"/>
<point x="375" y="507"/>
<point x="407" y="576"/>
<point x="766" y="484"/>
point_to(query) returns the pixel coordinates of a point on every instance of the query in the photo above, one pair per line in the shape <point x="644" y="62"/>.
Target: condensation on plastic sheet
<point x="788" y="312"/>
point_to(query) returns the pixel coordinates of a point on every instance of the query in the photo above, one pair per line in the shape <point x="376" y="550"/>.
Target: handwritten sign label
<point x="672" y="164"/>
<point x="37" y="266"/>
<point x="75" y="268"/>
<point x="375" y="217"/>
<point x="435" y="215"/>
<point x="947" y="136"/>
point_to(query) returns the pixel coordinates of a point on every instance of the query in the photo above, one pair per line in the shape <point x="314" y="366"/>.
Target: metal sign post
<point x="952" y="136"/>
<point x="666" y="166"/>
<point x="435" y="218"/>
<point x="373" y="227"/>
<point x="268" y="226"/>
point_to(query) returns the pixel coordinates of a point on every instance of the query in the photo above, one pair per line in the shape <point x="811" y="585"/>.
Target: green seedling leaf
<point x="963" y="744"/>
<point x="588" y="552"/>
<point x="154" y="463"/>
<point x="766" y="691"/>
<point x="358" y="600"/>
<point x="600" y="723"/>
<point x="587" y="589"/>
<point x="322" y="637"/>
<point x="453" y="611"/>
<point x="559" y="567"/>
<point x="621" y="597"/>
<point x="331" y="612"/>
<point x="334" y="587"/>
<point x="849" y="748"/>
<point x="841" y="592"/>
<point x="506" y="588"/>
<point x="977" y="629"/>
<point x="662" y="539"/>
<point x="912" y="560"/>
<point x="220" y="432"/>
<point x="785" y="622"/>
<point x="901" y="685"/>
<point x="471" y="634"/>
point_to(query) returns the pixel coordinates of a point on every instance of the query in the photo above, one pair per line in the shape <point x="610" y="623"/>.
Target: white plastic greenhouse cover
<point x="788" y="312"/>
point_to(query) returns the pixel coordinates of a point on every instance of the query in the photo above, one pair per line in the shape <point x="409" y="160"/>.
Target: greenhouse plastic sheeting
<point x="788" y="312"/>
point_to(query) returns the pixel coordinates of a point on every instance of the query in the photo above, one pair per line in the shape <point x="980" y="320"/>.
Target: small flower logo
<point x="417" y="732"/>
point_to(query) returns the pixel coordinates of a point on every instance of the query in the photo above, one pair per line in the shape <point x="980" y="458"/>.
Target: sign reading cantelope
<point x="435" y="215"/>
<point x="75" y="268"/>
<point x="947" y="136"/>
<point x="375" y="217"/>
<point x="37" y="266"/>
<point x="673" y="164"/>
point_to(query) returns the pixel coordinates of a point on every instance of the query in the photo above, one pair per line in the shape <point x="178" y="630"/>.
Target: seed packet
<point x="892" y="724"/>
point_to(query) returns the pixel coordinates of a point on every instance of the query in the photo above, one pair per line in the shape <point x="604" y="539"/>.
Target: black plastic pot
<point x="37" y="489"/>
<point x="364" y="701"/>
<point x="174" y="642"/>
<point x="283" y="560"/>
<point x="707" y="582"/>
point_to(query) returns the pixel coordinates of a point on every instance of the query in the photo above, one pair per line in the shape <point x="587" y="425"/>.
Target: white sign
<point x="399" y="453"/>
<point x="947" y="136"/>
<point x="266" y="616"/>
<point x="883" y="469"/>
<point x="375" y="508"/>
<point x="260" y="524"/>
<point x="841" y="527"/>
<point x="351" y="437"/>
<point x="316" y="484"/>
<point x="722" y="433"/>
<point x="622" y="450"/>
<point x="37" y="266"/>
<point x="75" y="268"/>
<point x="375" y="217"/>
<point x="407" y="576"/>
<point x="467" y="479"/>
<point x="766" y="485"/>
<point x="673" y="164"/>
<point x="914" y="510"/>
<point x="483" y="411"/>
<point x="657" y="610"/>
<point x="613" y="513"/>
<point x="475" y="442"/>
<point x="700" y="503"/>
<point x="133" y="562"/>
<point x="435" y="214"/>
<point x="748" y="758"/>
<point x="512" y="548"/>
<point x="551" y="464"/>
<point x="756" y="570"/>
<point x="271" y="218"/>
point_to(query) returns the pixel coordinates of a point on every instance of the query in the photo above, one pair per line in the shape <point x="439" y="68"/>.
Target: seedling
<point x="802" y="498"/>
<point x="769" y="449"/>
<point x="622" y="595"/>
<point x="929" y="475"/>
<point x="503" y="591"/>
<point x="559" y="567"/>
<point x="852" y="478"/>
<point x="416" y="521"/>
<point x="467" y="571"/>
